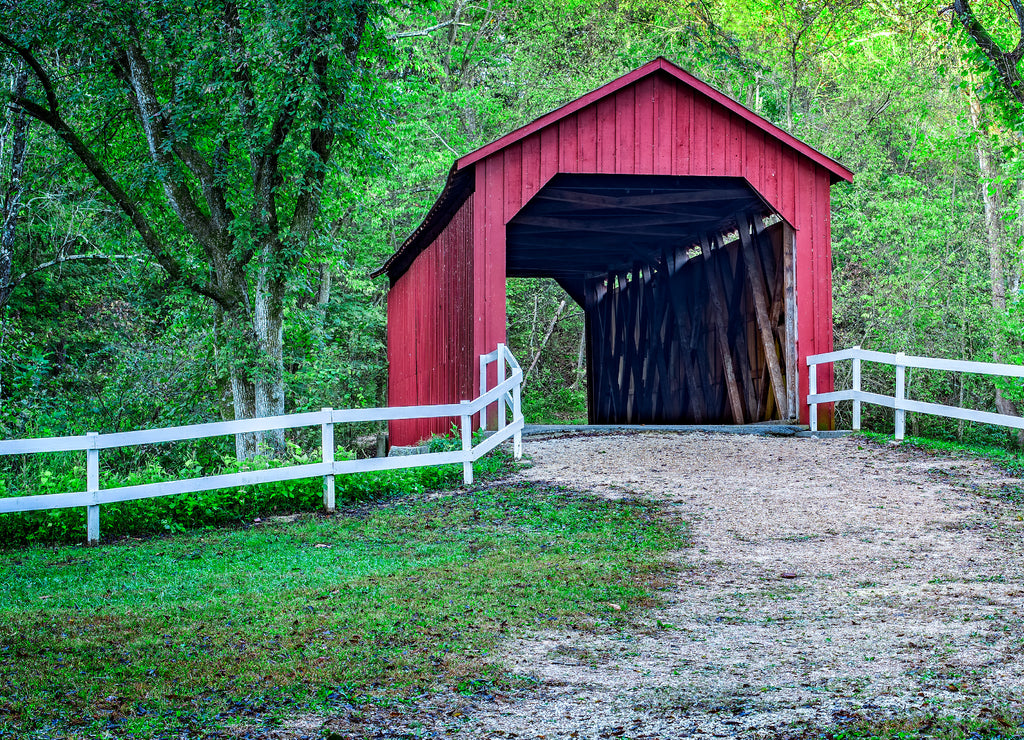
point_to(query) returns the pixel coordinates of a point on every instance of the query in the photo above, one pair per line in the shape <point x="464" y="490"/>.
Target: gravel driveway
<point x="828" y="580"/>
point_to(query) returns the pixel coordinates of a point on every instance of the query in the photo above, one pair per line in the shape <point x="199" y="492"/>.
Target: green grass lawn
<point x="196" y="632"/>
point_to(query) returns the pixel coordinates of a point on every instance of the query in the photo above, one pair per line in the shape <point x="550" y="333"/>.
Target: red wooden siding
<point x="430" y="330"/>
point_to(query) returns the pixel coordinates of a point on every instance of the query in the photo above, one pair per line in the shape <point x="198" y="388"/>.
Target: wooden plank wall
<point x="430" y="330"/>
<point x="679" y="341"/>
<point x="658" y="125"/>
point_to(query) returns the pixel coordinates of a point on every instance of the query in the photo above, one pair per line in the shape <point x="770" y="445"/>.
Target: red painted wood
<point x="513" y="181"/>
<point x="772" y="168"/>
<point x="664" y="125"/>
<point x="718" y="145"/>
<point x="806" y="283"/>
<point x="568" y="153"/>
<point x="659" y="65"/>
<point x="587" y="139"/>
<point x="788" y="186"/>
<point x="699" y="135"/>
<point x="737" y="163"/>
<point x="681" y="158"/>
<point x="624" y="130"/>
<point x="643" y="126"/>
<point x="824" y="335"/>
<point x="531" y="167"/>
<point x="490" y="313"/>
<point x="605" y="136"/>
<point x="755" y="153"/>
<point x="429" y="344"/>
<point x="548" y="154"/>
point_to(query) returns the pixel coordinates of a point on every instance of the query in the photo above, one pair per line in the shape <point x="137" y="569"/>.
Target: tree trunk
<point x="581" y="359"/>
<point x="544" y="342"/>
<point x="17" y="129"/>
<point x="252" y="343"/>
<point x="994" y="201"/>
<point x="268" y="325"/>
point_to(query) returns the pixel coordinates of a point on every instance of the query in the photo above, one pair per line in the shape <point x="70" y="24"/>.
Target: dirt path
<point x="828" y="580"/>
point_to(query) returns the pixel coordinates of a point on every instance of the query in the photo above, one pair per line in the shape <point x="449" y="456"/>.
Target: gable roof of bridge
<point x="461" y="182"/>
<point x="660" y="64"/>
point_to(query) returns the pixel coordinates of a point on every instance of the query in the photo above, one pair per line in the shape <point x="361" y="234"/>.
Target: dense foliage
<point x="97" y="332"/>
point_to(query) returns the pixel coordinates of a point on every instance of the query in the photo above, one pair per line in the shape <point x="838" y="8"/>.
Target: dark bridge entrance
<point x="683" y="283"/>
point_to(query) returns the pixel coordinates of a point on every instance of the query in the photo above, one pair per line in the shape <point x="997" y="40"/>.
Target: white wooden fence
<point x="506" y="394"/>
<point x="900" y="403"/>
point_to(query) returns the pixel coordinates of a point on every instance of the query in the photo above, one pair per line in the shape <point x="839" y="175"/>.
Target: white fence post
<point x="856" y="389"/>
<point x="327" y="449"/>
<point x="501" y="379"/>
<point x="517" y="414"/>
<point x="92" y="486"/>
<point x="812" y="389"/>
<point x="467" y="447"/>
<point x="901" y="394"/>
<point x="483" y="390"/>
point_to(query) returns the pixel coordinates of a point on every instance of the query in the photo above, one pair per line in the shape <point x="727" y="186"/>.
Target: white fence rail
<point x="506" y="394"/>
<point x="900" y="403"/>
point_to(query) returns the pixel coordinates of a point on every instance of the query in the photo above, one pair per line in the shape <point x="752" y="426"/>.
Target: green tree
<point x="211" y="126"/>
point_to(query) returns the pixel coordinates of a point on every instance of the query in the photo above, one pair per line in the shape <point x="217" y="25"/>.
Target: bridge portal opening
<point x="687" y="286"/>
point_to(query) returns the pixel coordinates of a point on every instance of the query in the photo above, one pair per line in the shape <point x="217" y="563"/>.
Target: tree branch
<point x="71" y="258"/>
<point x="37" y="69"/>
<point x="321" y="138"/>
<point x="52" y="118"/>
<point x="424" y="31"/>
<point x="240" y="71"/>
<point x="10" y="208"/>
<point x="153" y="122"/>
<point x="1004" y="62"/>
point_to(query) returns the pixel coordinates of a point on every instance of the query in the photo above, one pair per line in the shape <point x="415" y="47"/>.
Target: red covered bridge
<point x="694" y="234"/>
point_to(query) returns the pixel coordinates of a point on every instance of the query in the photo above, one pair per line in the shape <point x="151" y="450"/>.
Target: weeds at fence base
<point x="224" y="507"/>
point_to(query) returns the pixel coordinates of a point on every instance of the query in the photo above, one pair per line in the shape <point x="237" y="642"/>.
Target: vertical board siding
<point x="664" y="126"/>
<point x="605" y="135"/>
<point x="823" y="294"/>
<point x="568" y="153"/>
<point x="587" y="139"/>
<point x="531" y="167"/>
<point x="430" y="330"/>
<point x="548" y="153"/>
<point x="699" y="130"/>
<point x="806" y="287"/>
<point x="624" y="130"/>
<point x="513" y="181"/>
<point x="655" y="125"/>
<point x="644" y="121"/>
<point x="683" y="154"/>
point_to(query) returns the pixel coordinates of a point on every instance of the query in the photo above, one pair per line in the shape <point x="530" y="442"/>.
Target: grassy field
<point x="192" y="634"/>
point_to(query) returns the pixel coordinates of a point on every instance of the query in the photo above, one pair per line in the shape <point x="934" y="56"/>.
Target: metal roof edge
<point x="458" y="187"/>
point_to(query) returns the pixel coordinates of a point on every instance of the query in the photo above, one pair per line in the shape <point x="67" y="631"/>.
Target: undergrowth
<point x="992" y="723"/>
<point x="1009" y="459"/>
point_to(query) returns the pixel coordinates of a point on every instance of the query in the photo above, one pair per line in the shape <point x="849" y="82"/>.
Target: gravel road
<point x="827" y="581"/>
